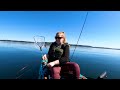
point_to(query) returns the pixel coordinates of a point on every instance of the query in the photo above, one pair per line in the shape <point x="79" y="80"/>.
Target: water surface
<point x="22" y="60"/>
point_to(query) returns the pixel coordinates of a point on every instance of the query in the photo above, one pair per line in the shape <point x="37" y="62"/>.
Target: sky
<point x="102" y="28"/>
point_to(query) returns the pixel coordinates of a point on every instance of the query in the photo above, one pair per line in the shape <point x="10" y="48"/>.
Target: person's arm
<point x="51" y="46"/>
<point x="46" y="56"/>
<point x="51" y="64"/>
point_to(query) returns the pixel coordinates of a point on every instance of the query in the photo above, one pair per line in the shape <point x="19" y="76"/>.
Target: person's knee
<point x="76" y="66"/>
<point x="73" y="65"/>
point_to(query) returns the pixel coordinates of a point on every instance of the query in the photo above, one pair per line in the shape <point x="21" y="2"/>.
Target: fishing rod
<point x="80" y="34"/>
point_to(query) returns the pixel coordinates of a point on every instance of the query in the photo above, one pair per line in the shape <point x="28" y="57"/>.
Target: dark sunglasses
<point x="58" y="37"/>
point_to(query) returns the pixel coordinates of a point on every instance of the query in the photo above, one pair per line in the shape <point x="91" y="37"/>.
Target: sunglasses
<point x="58" y="37"/>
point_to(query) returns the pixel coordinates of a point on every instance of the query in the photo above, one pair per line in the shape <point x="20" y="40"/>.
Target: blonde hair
<point x="63" y="34"/>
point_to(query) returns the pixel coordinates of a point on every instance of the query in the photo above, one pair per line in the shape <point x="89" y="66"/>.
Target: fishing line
<point x="80" y="34"/>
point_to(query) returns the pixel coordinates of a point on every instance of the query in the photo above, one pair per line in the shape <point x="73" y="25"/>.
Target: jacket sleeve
<point x="50" y="49"/>
<point x="65" y="56"/>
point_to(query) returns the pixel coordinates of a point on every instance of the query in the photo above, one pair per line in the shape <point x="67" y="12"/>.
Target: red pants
<point x="72" y="67"/>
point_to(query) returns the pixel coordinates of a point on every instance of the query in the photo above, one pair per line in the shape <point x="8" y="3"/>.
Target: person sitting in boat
<point x="58" y="58"/>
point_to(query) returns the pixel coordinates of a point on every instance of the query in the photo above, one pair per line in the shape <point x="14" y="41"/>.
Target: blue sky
<point x="102" y="28"/>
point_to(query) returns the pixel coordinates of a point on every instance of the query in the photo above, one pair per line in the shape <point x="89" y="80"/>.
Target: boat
<point x="44" y="73"/>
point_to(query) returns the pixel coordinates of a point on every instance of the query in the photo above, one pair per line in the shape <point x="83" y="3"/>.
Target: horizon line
<point x="70" y="44"/>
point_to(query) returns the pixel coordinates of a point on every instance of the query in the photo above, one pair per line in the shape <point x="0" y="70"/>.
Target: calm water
<point x="22" y="60"/>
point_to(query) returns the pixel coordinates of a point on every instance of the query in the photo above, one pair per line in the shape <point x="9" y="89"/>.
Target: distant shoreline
<point x="16" y="41"/>
<point x="48" y="43"/>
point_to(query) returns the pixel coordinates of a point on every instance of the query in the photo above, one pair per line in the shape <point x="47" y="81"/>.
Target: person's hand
<point x="51" y="64"/>
<point x="44" y="57"/>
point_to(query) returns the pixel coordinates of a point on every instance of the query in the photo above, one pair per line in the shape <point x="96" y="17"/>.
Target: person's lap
<point x="70" y="68"/>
